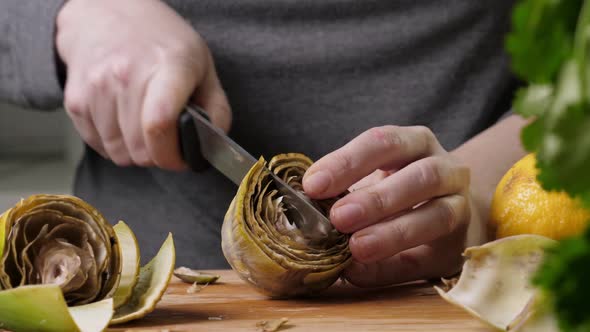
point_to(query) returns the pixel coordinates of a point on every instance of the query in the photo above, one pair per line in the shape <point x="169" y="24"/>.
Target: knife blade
<point x="203" y="142"/>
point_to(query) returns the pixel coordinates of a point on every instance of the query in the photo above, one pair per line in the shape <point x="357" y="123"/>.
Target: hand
<point x="131" y="66"/>
<point x="409" y="209"/>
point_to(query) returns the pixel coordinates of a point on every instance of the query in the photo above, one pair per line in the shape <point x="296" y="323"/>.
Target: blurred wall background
<point x="39" y="152"/>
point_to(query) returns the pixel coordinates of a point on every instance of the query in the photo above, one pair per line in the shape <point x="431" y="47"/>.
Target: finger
<point x="386" y="148"/>
<point x="424" y="224"/>
<point x="440" y="259"/>
<point x="166" y="94"/>
<point x="130" y="88"/>
<point x="77" y="107"/>
<point x="370" y="180"/>
<point x="416" y="183"/>
<point x="211" y="97"/>
<point x="104" y="115"/>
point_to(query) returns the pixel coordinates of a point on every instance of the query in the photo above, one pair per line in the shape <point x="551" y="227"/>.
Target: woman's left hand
<point x="409" y="209"/>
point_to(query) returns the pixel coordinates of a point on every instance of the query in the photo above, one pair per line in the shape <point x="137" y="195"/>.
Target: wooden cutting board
<point x="232" y="305"/>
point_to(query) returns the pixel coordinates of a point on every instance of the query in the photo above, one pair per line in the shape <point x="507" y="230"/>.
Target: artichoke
<point x="262" y="240"/>
<point x="63" y="267"/>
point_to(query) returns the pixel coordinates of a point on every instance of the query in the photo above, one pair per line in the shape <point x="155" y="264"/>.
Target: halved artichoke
<point x="261" y="239"/>
<point x="63" y="267"/>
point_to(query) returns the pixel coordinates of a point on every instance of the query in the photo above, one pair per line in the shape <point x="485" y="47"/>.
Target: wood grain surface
<point x="232" y="305"/>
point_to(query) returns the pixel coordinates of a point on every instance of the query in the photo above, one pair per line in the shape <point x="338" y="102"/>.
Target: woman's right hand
<point x="131" y="67"/>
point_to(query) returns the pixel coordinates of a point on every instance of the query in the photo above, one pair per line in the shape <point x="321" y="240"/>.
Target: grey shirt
<point x="302" y="76"/>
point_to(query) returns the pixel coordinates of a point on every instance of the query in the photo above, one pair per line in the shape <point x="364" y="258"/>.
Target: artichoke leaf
<point x="538" y="316"/>
<point x="43" y="308"/>
<point x="262" y="239"/>
<point x="494" y="285"/>
<point x="193" y="276"/>
<point x="3" y="226"/>
<point x="94" y="316"/>
<point x="151" y="285"/>
<point x="129" y="263"/>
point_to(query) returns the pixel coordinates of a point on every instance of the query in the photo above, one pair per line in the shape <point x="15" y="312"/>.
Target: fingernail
<point x="317" y="183"/>
<point x="345" y="216"/>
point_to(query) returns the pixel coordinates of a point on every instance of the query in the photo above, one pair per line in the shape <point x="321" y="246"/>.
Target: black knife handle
<point x="190" y="147"/>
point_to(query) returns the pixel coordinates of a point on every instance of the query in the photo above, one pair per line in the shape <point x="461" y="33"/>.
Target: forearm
<point x="489" y="155"/>
<point x="28" y="74"/>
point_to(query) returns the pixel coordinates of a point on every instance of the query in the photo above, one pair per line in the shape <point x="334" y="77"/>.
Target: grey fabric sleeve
<point x="28" y="71"/>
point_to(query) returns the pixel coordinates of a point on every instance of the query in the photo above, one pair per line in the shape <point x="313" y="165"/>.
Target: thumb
<point x="211" y="97"/>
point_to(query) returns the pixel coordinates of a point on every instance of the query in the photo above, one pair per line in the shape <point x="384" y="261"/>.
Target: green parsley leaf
<point x="542" y="37"/>
<point x="533" y="100"/>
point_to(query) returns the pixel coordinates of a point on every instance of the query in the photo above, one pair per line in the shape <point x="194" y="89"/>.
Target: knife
<point x="202" y="143"/>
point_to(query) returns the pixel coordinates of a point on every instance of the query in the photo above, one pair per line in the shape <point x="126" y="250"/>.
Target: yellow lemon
<point x="521" y="206"/>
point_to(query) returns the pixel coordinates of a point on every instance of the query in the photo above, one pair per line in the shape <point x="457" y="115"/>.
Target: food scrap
<point x="271" y="325"/>
<point x="194" y="288"/>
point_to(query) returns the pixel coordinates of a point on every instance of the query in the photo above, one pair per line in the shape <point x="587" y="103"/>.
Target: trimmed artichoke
<point x="62" y="242"/>
<point x="63" y="267"/>
<point x="262" y="242"/>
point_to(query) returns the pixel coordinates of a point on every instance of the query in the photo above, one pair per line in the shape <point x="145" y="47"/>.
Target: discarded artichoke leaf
<point x="262" y="242"/>
<point x="494" y="285"/>
<point x="538" y="316"/>
<point x="541" y="322"/>
<point x="151" y="285"/>
<point x="94" y="316"/>
<point x="43" y="308"/>
<point x="129" y="262"/>
<point x="189" y="275"/>
<point x="194" y="288"/>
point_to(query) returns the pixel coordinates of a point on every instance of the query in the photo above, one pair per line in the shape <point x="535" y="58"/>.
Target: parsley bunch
<point x="550" y="49"/>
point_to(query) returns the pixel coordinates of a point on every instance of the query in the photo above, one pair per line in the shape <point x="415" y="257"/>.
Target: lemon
<point x="521" y="206"/>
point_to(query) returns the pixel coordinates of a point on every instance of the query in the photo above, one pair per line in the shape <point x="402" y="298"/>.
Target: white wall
<point x="26" y="132"/>
<point x="38" y="153"/>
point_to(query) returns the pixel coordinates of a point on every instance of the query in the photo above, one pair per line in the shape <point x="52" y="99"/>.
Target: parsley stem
<point x="580" y="48"/>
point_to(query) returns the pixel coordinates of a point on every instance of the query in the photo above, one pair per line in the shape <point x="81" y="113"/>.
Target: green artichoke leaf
<point x="151" y="285"/>
<point x="129" y="262"/>
<point x="3" y="218"/>
<point x="43" y="308"/>
<point x="193" y="276"/>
